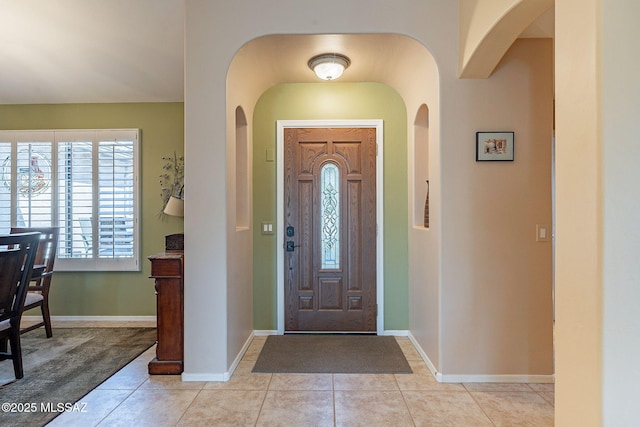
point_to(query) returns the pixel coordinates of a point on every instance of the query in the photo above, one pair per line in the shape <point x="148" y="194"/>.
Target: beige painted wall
<point x="468" y="300"/>
<point x="597" y="215"/>
<point x="496" y="296"/>
<point x="579" y="284"/>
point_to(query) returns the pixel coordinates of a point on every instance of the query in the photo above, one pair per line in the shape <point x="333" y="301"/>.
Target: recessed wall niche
<point x="242" y="171"/>
<point x="421" y="168"/>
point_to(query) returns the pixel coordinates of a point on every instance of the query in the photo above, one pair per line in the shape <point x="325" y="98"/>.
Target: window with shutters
<point x="84" y="182"/>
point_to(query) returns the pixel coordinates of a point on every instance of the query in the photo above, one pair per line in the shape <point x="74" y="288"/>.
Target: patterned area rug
<point x="59" y="371"/>
<point x="337" y="354"/>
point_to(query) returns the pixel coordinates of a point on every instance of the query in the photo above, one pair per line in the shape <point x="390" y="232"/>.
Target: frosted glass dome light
<point x="329" y="66"/>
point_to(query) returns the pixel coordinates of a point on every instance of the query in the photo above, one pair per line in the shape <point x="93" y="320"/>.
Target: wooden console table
<point x="167" y="269"/>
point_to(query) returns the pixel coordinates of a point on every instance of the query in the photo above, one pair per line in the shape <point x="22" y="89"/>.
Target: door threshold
<point x="330" y="332"/>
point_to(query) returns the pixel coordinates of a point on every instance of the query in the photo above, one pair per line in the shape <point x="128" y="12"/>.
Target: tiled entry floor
<point x="133" y="398"/>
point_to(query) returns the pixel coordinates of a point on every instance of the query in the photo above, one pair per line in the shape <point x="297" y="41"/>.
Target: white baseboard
<point x="425" y="358"/>
<point x="99" y="319"/>
<point x="267" y="332"/>
<point x="238" y="358"/>
<point x="205" y="377"/>
<point x="226" y="376"/>
<point x="396" y="333"/>
<point x="539" y="379"/>
<point x="264" y="332"/>
<point x="445" y="378"/>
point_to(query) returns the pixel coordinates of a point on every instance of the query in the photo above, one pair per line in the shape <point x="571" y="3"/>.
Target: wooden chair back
<point x="46" y="255"/>
<point x="17" y="257"/>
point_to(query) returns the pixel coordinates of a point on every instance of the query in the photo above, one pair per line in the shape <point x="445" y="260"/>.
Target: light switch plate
<point x="266" y="228"/>
<point x="543" y="233"/>
<point x="271" y="155"/>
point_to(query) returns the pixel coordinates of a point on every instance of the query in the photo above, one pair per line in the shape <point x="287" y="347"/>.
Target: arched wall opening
<point x="486" y="33"/>
<point x="409" y="73"/>
<point x="243" y="205"/>
<point x="451" y="284"/>
<point x="431" y="295"/>
<point x="421" y="167"/>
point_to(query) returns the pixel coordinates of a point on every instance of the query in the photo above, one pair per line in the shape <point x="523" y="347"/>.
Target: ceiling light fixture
<point x="329" y="66"/>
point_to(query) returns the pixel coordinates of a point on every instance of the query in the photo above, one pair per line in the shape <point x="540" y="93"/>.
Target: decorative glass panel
<point x="6" y="179"/>
<point x="330" y="216"/>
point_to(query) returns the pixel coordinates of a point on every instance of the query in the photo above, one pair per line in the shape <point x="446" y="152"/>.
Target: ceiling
<point x="84" y="51"/>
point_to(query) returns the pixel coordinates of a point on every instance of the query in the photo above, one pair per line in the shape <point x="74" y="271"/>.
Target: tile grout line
<point x="271" y="381"/>
<point x="395" y="379"/>
<point x="408" y="409"/>
<point x="539" y="393"/>
<point x="333" y="396"/>
<point x="264" y="399"/>
<point x="131" y="391"/>
<point x="479" y="405"/>
<point x="189" y="406"/>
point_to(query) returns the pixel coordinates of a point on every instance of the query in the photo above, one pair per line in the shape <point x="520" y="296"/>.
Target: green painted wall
<point x="162" y="125"/>
<point x="316" y="101"/>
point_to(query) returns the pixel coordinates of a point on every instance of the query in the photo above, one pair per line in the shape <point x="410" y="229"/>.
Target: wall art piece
<point x="494" y="146"/>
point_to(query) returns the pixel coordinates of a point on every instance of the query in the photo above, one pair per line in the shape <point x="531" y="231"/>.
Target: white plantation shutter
<point x="75" y="198"/>
<point x="115" y="198"/>
<point x="85" y="182"/>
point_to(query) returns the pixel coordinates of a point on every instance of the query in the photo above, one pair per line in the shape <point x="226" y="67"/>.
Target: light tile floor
<point x="133" y="398"/>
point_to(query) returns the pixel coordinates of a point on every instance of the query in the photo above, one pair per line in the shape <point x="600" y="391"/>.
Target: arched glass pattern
<point x="330" y="216"/>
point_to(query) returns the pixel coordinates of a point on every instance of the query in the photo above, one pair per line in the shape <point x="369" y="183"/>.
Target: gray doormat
<point x="336" y="354"/>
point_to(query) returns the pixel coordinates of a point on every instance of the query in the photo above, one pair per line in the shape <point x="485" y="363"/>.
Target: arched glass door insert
<point x="329" y="216"/>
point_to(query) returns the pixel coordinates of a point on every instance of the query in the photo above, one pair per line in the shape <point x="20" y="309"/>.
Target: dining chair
<point x="38" y="292"/>
<point x="17" y="256"/>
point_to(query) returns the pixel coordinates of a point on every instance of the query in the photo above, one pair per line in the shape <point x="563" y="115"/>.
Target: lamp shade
<point x="329" y="66"/>
<point x="175" y="207"/>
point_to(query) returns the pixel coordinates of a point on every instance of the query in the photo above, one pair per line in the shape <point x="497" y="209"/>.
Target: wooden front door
<point x="330" y="229"/>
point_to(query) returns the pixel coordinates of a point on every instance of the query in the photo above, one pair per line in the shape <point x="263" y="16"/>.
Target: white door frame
<point x="281" y="126"/>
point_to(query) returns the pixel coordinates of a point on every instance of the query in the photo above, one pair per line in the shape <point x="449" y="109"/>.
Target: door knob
<point x="291" y="246"/>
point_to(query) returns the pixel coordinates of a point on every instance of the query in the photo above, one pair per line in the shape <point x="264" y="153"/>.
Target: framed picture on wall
<point x="494" y="146"/>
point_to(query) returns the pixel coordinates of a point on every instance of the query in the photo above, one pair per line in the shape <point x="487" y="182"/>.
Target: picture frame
<point x="495" y="146"/>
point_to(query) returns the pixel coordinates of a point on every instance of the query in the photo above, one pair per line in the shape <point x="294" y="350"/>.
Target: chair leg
<point x="3" y="344"/>
<point x="16" y="354"/>
<point x="46" y="317"/>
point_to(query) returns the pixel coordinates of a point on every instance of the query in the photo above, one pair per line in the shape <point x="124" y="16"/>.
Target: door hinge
<point x="376" y="311"/>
